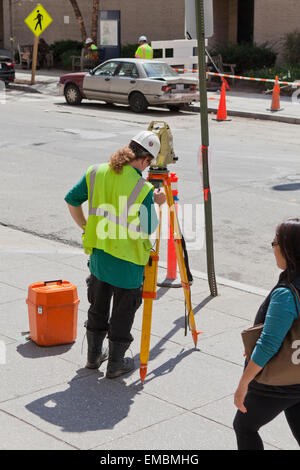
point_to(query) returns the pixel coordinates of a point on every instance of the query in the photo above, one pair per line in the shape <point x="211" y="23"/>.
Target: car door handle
<point x="132" y="81"/>
<point x="107" y="79"/>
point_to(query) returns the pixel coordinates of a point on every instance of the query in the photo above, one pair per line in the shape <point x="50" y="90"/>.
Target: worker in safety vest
<point x="144" y="51"/>
<point x="116" y="235"/>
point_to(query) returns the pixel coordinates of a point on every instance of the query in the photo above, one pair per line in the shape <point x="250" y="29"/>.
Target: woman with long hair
<point x="117" y="238"/>
<point x="258" y="403"/>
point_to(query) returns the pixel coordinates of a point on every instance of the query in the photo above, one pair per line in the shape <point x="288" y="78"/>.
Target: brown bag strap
<point x="296" y="296"/>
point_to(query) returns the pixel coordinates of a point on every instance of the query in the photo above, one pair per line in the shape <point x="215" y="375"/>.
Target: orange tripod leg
<point x="150" y="283"/>
<point x="149" y="294"/>
<point x="180" y="258"/>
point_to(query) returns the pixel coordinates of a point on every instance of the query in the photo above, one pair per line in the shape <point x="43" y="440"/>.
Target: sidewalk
<point x="48" y="400"/>
<point x="240" y="104"/>
<point x="46" y="81"/>
<point x="255" y="106"/>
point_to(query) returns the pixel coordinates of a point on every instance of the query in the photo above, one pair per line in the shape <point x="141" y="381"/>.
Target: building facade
<point x="234" y="20"/>
<point x="158" y="22"/>
<point x="1" y="24"/>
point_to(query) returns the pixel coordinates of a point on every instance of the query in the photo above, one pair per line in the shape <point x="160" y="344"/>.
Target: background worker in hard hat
<point x="91" y="53"/>
<point x="121" y="218"/>
<point x="144" y="51"/>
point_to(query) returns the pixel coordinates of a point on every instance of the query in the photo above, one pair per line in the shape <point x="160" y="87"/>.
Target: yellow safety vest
<point x="113" y="223"/>
<point x="144" y="52"/>
<point x="92" y="52"/>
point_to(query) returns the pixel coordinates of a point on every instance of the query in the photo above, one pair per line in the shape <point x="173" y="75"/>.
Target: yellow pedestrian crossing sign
<point x="38" y="20"/>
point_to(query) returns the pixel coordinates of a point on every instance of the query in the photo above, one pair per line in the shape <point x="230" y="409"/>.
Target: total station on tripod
<point x="166" y="154"/>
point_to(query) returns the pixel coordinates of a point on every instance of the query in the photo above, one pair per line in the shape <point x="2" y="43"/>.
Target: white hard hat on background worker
<point x="149" y="141"/>
<point x="143" y="39"/>
<point x="144" y="51"/>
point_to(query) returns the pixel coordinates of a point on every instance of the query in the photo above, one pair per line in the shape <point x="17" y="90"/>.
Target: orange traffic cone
<point x="275" y="106"/>
<point x="222" y="111"/>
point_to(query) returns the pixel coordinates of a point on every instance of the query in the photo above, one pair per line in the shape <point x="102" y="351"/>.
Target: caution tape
<point x="186" y="70"/>
<point x="242" y="78"/>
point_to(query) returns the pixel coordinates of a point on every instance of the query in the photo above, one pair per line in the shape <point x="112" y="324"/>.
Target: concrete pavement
<point x="255" y="106"/>
<point x="48" y="400"/>
<point x="46" y="81"/>
<point x="240" y="104"/>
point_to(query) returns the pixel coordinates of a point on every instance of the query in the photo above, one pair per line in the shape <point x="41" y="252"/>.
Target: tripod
<point x="161" y="178"/>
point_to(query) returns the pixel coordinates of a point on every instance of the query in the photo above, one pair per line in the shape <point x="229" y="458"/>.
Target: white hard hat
<point x="89" y="40"/>
<point x="149" y="141"/>
<point x="143" y="38"/>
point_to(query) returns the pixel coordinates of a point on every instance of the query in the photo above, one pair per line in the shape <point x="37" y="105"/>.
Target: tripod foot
<point x="195" y="336"/>
<point x="143" y="372"/>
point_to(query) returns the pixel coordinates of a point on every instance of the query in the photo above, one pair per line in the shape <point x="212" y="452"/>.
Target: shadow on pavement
<point x="87" y="405"/>
<point x="161" y="292"/>
<point x="203" y="303"/>
<point x="93" y="402"/>
<point x="100" y="106"/>
<point x="33" y="351"/>
<point x="169" y="365"/>
<point x="287" y="187"/>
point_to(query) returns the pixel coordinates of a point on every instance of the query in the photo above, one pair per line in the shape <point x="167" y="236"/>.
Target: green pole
<point x="205" y="143"/>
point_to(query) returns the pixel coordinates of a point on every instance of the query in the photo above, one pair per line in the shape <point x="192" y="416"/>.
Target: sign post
<point x="200" y="20"/>
<point x="199" y="24"/>
<point x="37" y="21"/>
<point x="202" y="32"/>
<point x="34" y="58"/>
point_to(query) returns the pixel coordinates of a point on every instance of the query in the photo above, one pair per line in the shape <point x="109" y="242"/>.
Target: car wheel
<point x="72" y="94"/>
<point x="138" y="102"/>
<point x="174" y="107"/>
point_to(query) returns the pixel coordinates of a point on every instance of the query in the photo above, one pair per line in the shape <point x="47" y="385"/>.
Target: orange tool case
<point x="52" y="311"/>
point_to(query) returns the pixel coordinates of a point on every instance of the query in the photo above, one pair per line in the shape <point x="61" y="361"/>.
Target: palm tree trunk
<point x="79" y="19"/>
<point x="95" y="20"/>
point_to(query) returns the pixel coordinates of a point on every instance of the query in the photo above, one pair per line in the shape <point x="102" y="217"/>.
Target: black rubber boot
<point x="96" y="353"/>
<point x="117" y="364"/>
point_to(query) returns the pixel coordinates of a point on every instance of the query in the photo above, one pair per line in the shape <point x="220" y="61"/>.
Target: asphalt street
<point x="46" y="146"/>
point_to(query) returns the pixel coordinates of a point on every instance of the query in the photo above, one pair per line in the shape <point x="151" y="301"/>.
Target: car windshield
<point x="159" y="69"/>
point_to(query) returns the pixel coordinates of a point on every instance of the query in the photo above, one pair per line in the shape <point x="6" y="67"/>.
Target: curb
<point x="28" y="88"/>
<point x="226" y="282"/>
<point x="163" y="265"/>
<point x="244" y="114"/>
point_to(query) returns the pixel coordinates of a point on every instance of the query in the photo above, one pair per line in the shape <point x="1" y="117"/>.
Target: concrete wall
<point x="220" y="21"/>
<point x="6" y="44"/>
<point x="1" y="24"/>
<point x="225" y="22"/>
<point x="274" y="18"/>
<point x="232" y="20"/>
<point x="164" y="20"/>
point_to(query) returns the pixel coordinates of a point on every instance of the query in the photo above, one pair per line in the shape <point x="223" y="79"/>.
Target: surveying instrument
<point x="160" y="178"/>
